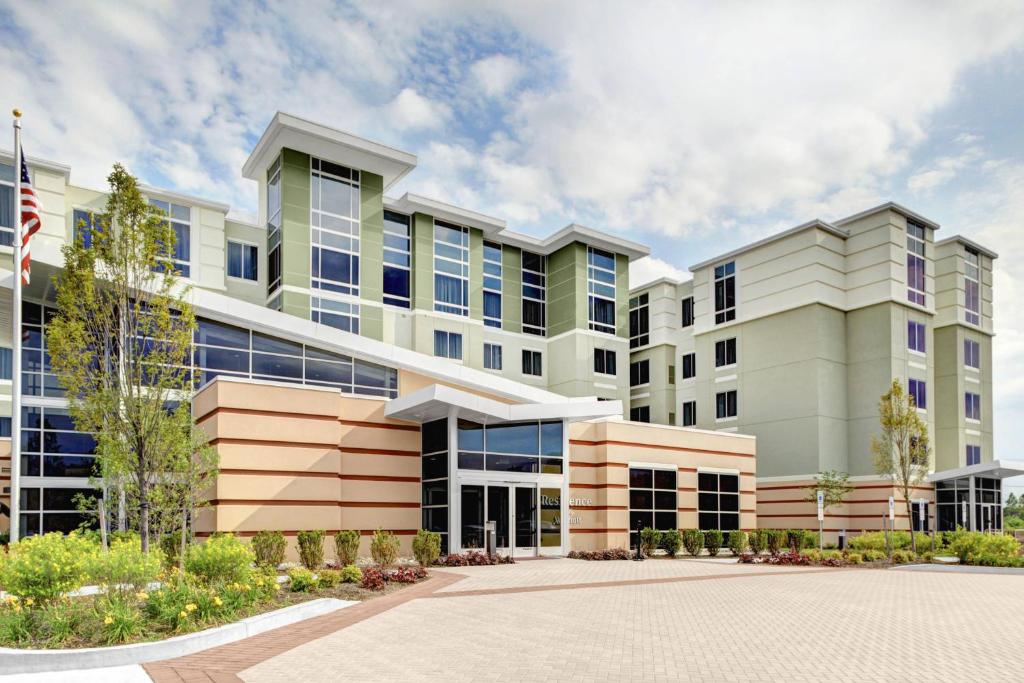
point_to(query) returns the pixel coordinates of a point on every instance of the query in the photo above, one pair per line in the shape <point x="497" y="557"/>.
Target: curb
<point x="15" y="661"/>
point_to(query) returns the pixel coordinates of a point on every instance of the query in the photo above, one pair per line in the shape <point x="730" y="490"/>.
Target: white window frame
<point x="715" y="279"/>
<point x="540" y="353"/>
<point x="682" y="367"/>
<point x="354" y="235"/>
<point x="321" y="304"/>
<point x="491" y="321"/>
<point x="637" y="303"/>
<point x="445" y="307"/>
<point x="190" y="228"/>
<point x="727" y="418"/>
<point x="448" y="335"/>
<point x="614" y="355"/>
<point x="241" y="243"/>
<point x="594" y="283"/>
<point x="543" y="301"/>
<point x="408" y="269"/>
<point x="638" y="363"/>
<point x="977" y="345"/>
<point x="972" y="273"/>
<point x="735" y="352"/>
<point x="273" y="226"/>
<point x="923" y="385"/>
<point x="682" y="412"/>
<point x="923" y="336"/>
<point x="14" y="203"/>
<point x="916" y="249"/>
<point x="489" y="348"/>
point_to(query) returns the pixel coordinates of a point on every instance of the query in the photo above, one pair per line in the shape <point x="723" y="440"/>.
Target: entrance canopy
<point x="997" y="469"/>
<point x="436" y="401"/>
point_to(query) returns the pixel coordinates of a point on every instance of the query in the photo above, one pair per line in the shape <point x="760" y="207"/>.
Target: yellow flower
<point x="217" y="601"/>
<point x="17" y="608"/>
<point x="190" y="607"/>
<point x="142" y="595"/>
<point x="29" y="601"/>
<point x="277" y="586"/>
<point x="108" y="619"/>
<point x="183" y="614"/>
<point x="259" y="582"/>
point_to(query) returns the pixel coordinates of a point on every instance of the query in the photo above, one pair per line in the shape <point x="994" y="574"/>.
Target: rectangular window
<point x="397" y="260"/>
<point x="652" y="500"/>
<point x="972" y="406"/>
<point x="718" y="501"/>
<point x="180" y="219"/>
<point x="640" y="414"/>
<point x="492" y="284"/>
<point x="6" y="361"/>
<point x="973" y="455"/>
<point x="725" y="292"/>
<point x="725" y="352"/>
<point x="972" y="288"/>
<point x="529" y="447"/>
<point x="334" y="227"/>
<point x="689" y="365"/>
<point x="341" y="315"/>
<point x="434" y="478"/>
<point x="451" y="268"/>
<point x="639" y="322"/>
<point x="492" y="356"/>
<point x="687" y="316"/>
<point x="689" y="413"/>
<point x="532" y="363"/>
<point x="639" y="373"/>
<point x="243" y="260"/>
<point x="725" y="405"/>
<point x="604" y="362"/>
<point x="918" y="390"/>
<point x="534" y="294"/>
<point x="916" y="336"/>
<point x="915" y="262"/>
<point x="671" y="374"/>
<point x="85" y="225"/>
<point x="274" y="227"/>
<point x="601" y="289"/>
<point x="6" y="205"/>
<point x="447" y="344"/>
<point x="972" y="354"/>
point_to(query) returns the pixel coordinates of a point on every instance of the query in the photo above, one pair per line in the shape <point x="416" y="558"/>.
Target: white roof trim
<point x="889" y="206"/>
<point x="36" y="162"/>
<point x="179" y="198"/>
<point x="814" y="224"/>
<point x="663" y="280"/>
<point x="435" y="401"/>
<point x="960" y="239"/>
<point x="575" y="232"/>
<point x="413" y="203"/>
<point x="997" y="468"/>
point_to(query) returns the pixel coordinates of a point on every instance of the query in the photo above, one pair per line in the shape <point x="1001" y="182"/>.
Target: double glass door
<point x="512" y="508"/>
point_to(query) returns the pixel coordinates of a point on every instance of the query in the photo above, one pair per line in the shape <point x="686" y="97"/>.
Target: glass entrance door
<point x="498" y="511"/>
<point x="526" y="519"/>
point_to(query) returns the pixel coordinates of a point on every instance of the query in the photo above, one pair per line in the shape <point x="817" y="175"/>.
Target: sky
<point x="694" y="128"/>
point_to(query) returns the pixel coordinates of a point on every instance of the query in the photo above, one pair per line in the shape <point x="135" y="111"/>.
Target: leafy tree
<point x="902" y="451"/>
<point x="835" y="485"/>
<point x="120" y="345"/>
<point x="1014" y="505"/>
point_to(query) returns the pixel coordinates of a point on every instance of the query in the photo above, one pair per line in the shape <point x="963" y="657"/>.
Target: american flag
<point x="30" y="221"/>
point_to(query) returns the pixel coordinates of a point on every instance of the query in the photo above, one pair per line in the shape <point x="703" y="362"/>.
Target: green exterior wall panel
<point x="563" y="285"/>
<point x="423" y="261"/>
<point x="371" y="322"/>
<point x="621" y="295"/>
<point x="476" y="274"/>
<point x="512" y="289"/>
<point x="295" y="226"/>
<point x="371" y="238"/>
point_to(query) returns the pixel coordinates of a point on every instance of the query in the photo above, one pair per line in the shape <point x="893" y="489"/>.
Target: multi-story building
<point x="794" y="338"/>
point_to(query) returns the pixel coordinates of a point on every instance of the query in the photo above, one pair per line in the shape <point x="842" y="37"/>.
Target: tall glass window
<point x="451" y="268"/>
<point x="54" y="508"/>
<point x="492" y="284"/>
<point x="972" y="406"/>
<point x="915" y="262"/>
<point x="639" y="321"/>
<point x="916" y="339"/>
<point x="718" y="501"/>
<point x="725" y="352"/>
<point x="689" y="413"/>
<point x="534" y="294"/>
<point x="37" y="376"/>
<point x="687" y="312"/>
<point x="652" y="500"/>
<point x="397" y="259"/>
<point x="334" y="227"/>
<point x="601" y="289"/>
<point x="725" y="405"/>
<point x="918" y="389"/>
<point x="85" y="224"/>
<point x="180" y="219"/>
<point x="492" y="356"/>
<point x="725" y="292"/>
<point x="341" y="315"/>
<point x="242" y="260"/>
<point x="972" y="288"/>
<point x="972" y="354"/>
<point x="511" y="446"/>
<point x="953" y="504"/>
<point x="434" y="478"/>
<point x="640" y="373"/>
<point x="274" y="226"/>
<point x="604" y="362"/>
<point x="689" y="365"/>
<point x="6" y="205"/>
<point x="52" y="446"/>
<point x="973" y="454"/>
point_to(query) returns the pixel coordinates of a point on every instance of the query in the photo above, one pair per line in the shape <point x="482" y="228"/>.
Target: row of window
<point x="726" y="407"/>
<point x="653" y="500"/>
<point x="449" y="345"/>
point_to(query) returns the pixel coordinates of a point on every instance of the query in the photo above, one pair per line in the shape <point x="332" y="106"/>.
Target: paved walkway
<point x="652" y="621"/>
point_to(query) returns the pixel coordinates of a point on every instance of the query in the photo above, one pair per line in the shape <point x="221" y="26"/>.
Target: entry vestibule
<point x="971" y="497"/>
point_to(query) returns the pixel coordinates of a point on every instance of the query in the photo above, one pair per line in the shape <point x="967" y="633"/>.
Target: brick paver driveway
<point x="676" y="620"/>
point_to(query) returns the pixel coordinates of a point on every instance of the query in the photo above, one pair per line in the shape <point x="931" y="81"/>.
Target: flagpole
<point x="16" y="339"/>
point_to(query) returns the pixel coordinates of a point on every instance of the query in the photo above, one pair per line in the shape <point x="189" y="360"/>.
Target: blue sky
<point x="692" y="127"/>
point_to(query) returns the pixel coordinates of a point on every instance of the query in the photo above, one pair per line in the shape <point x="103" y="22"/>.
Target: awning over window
<point x="997" y="469"/>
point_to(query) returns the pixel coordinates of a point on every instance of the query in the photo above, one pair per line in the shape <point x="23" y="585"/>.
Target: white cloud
<point x="942" y="170"/>
<point x="650" y="268"/>
<point x="411" y="110"/>
<point x="497" y="74"/>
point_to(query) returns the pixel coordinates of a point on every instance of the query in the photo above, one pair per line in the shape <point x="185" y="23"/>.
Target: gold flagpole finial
<point x="17" y="113"/>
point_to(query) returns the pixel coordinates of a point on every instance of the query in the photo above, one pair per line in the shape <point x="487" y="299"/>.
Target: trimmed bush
<point x="351" y="574"/>
<point x="994" y="550"/>
<point x="713" y="541"/>
<point x="902" y="557"/>
<point x="384" y="548"/>
<point x="220" y="559"/>
<point x="311" y="549"/>
<point x="426" y="547"/>
<point x="650" y="539"/>
<point x="600" y="555"/>
<point x="671" y="542"/>
<point x="301" y="579"/>
<point x="800" y="539"/>
<point x="873" y="555"/>
<point x="757" y="541"/>
<point x="737" y="542"/>
<point x="269" y="548"/>
<point x="45" y="567"/>
<point x="854" y="558"/>
<point x="346" y="545"/>
<point x="693" y="541"/>
<point x="775" y="539"/>
<point x="328" y="578"/>
<point x="123" y="567"/>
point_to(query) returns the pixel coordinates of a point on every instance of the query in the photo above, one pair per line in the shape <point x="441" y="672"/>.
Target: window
<point x="601" y="289"/>
<point x="492" y="356"/>
<point x="604" y="362"/>
<point x="689" y="413"/>
<point x="639" y="322"/>
<point x="274" y="227"/>
<point x="534" y="294"/>
<point x="973" y="455"/>
<point x="718" y="501"/>
<point x="639" y="373"/>
<point x="334" y="226"/>
<point x="338" y="314"/>
<point x="447" y="344"/>
<point x="451" y="268"/>
<point x="916" y="336"/>
<point x="972" y="288"/>
<point x="242" y="260"/>
<point x="689" y="365"/>
<point x="687" y="316"/>
<point x="180" y="219"/>
<point x="492" y="284"/>
<point x="37" y="378"/>
<point x="725" y="352"/>
<point x="434" y="478"/>
<point x="725" y="405"/>
<point x="915" y="262"/>
<point x="725" y="292"/>
<point x="397" y="260"/>
<point x="919" y="392"/>
<point x="671" y="374"/>
<point x="652" y="500"/>
<point x="49" y="509"/>
<point x="531" y="362"/>
<point x="972" y="354"/>
<point x="6" y="362"/>
<point x="972" y="406"/>
<point x="52" y="446"/>
<point x="85" y="224"/>
<point x="6" y="205"/>
<point x="952" y="503"/>
<point x="511" y="446"/>
<point x="640" y="414"/>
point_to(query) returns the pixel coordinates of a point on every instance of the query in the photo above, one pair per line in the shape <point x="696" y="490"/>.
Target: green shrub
<point x="854" y="558"/>
<point x="123" y="567"/>
<point x="328" y="578"/>
<point x="58" y="622"/>
<point x="351" y="574"/>
<point x="220" y="559"/>
<point x="902" y="557"/>
<point x="830" y="555"/>
<point x="301" y="579"/>
<point x="426" y="547"/>
<point x="269" y="548"/>
<point x="120" y="619"/>
<point x="757" y="541"/>
<point x="875" y="540"/>
<point x="5" y="538"/>
<point x="775" y="539"/>
<point x="814" y="555"/>
<point x="16" y="624"/>
<point x="737" y="542"/>
<point x="713" y="541"/>
<point x="693" y="541"/>
<point x="800" y="539"/>
<point x="870" y="555"/>
<point x="311" y="549"/>
<point x="384" y="547"/>
<point x="45" y="567"/>
<point x="973" y="546"/>
<point x="649" y="540"/>
<point x="170" y="545"/>
<point x="346" y="546"/>
<point x="671" y="542"/>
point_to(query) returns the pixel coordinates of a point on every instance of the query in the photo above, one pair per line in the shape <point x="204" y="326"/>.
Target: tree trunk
<point x="910" y="518"/>
<point x="143" y="512"/>
<point x="103" y="522"/>
<point x="184" y="537"/>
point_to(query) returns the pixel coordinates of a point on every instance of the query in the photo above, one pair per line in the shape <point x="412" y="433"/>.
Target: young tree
<point x="121" y="346"/>
<point x="835" y="485"/>
<point x="902" y="452"/>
